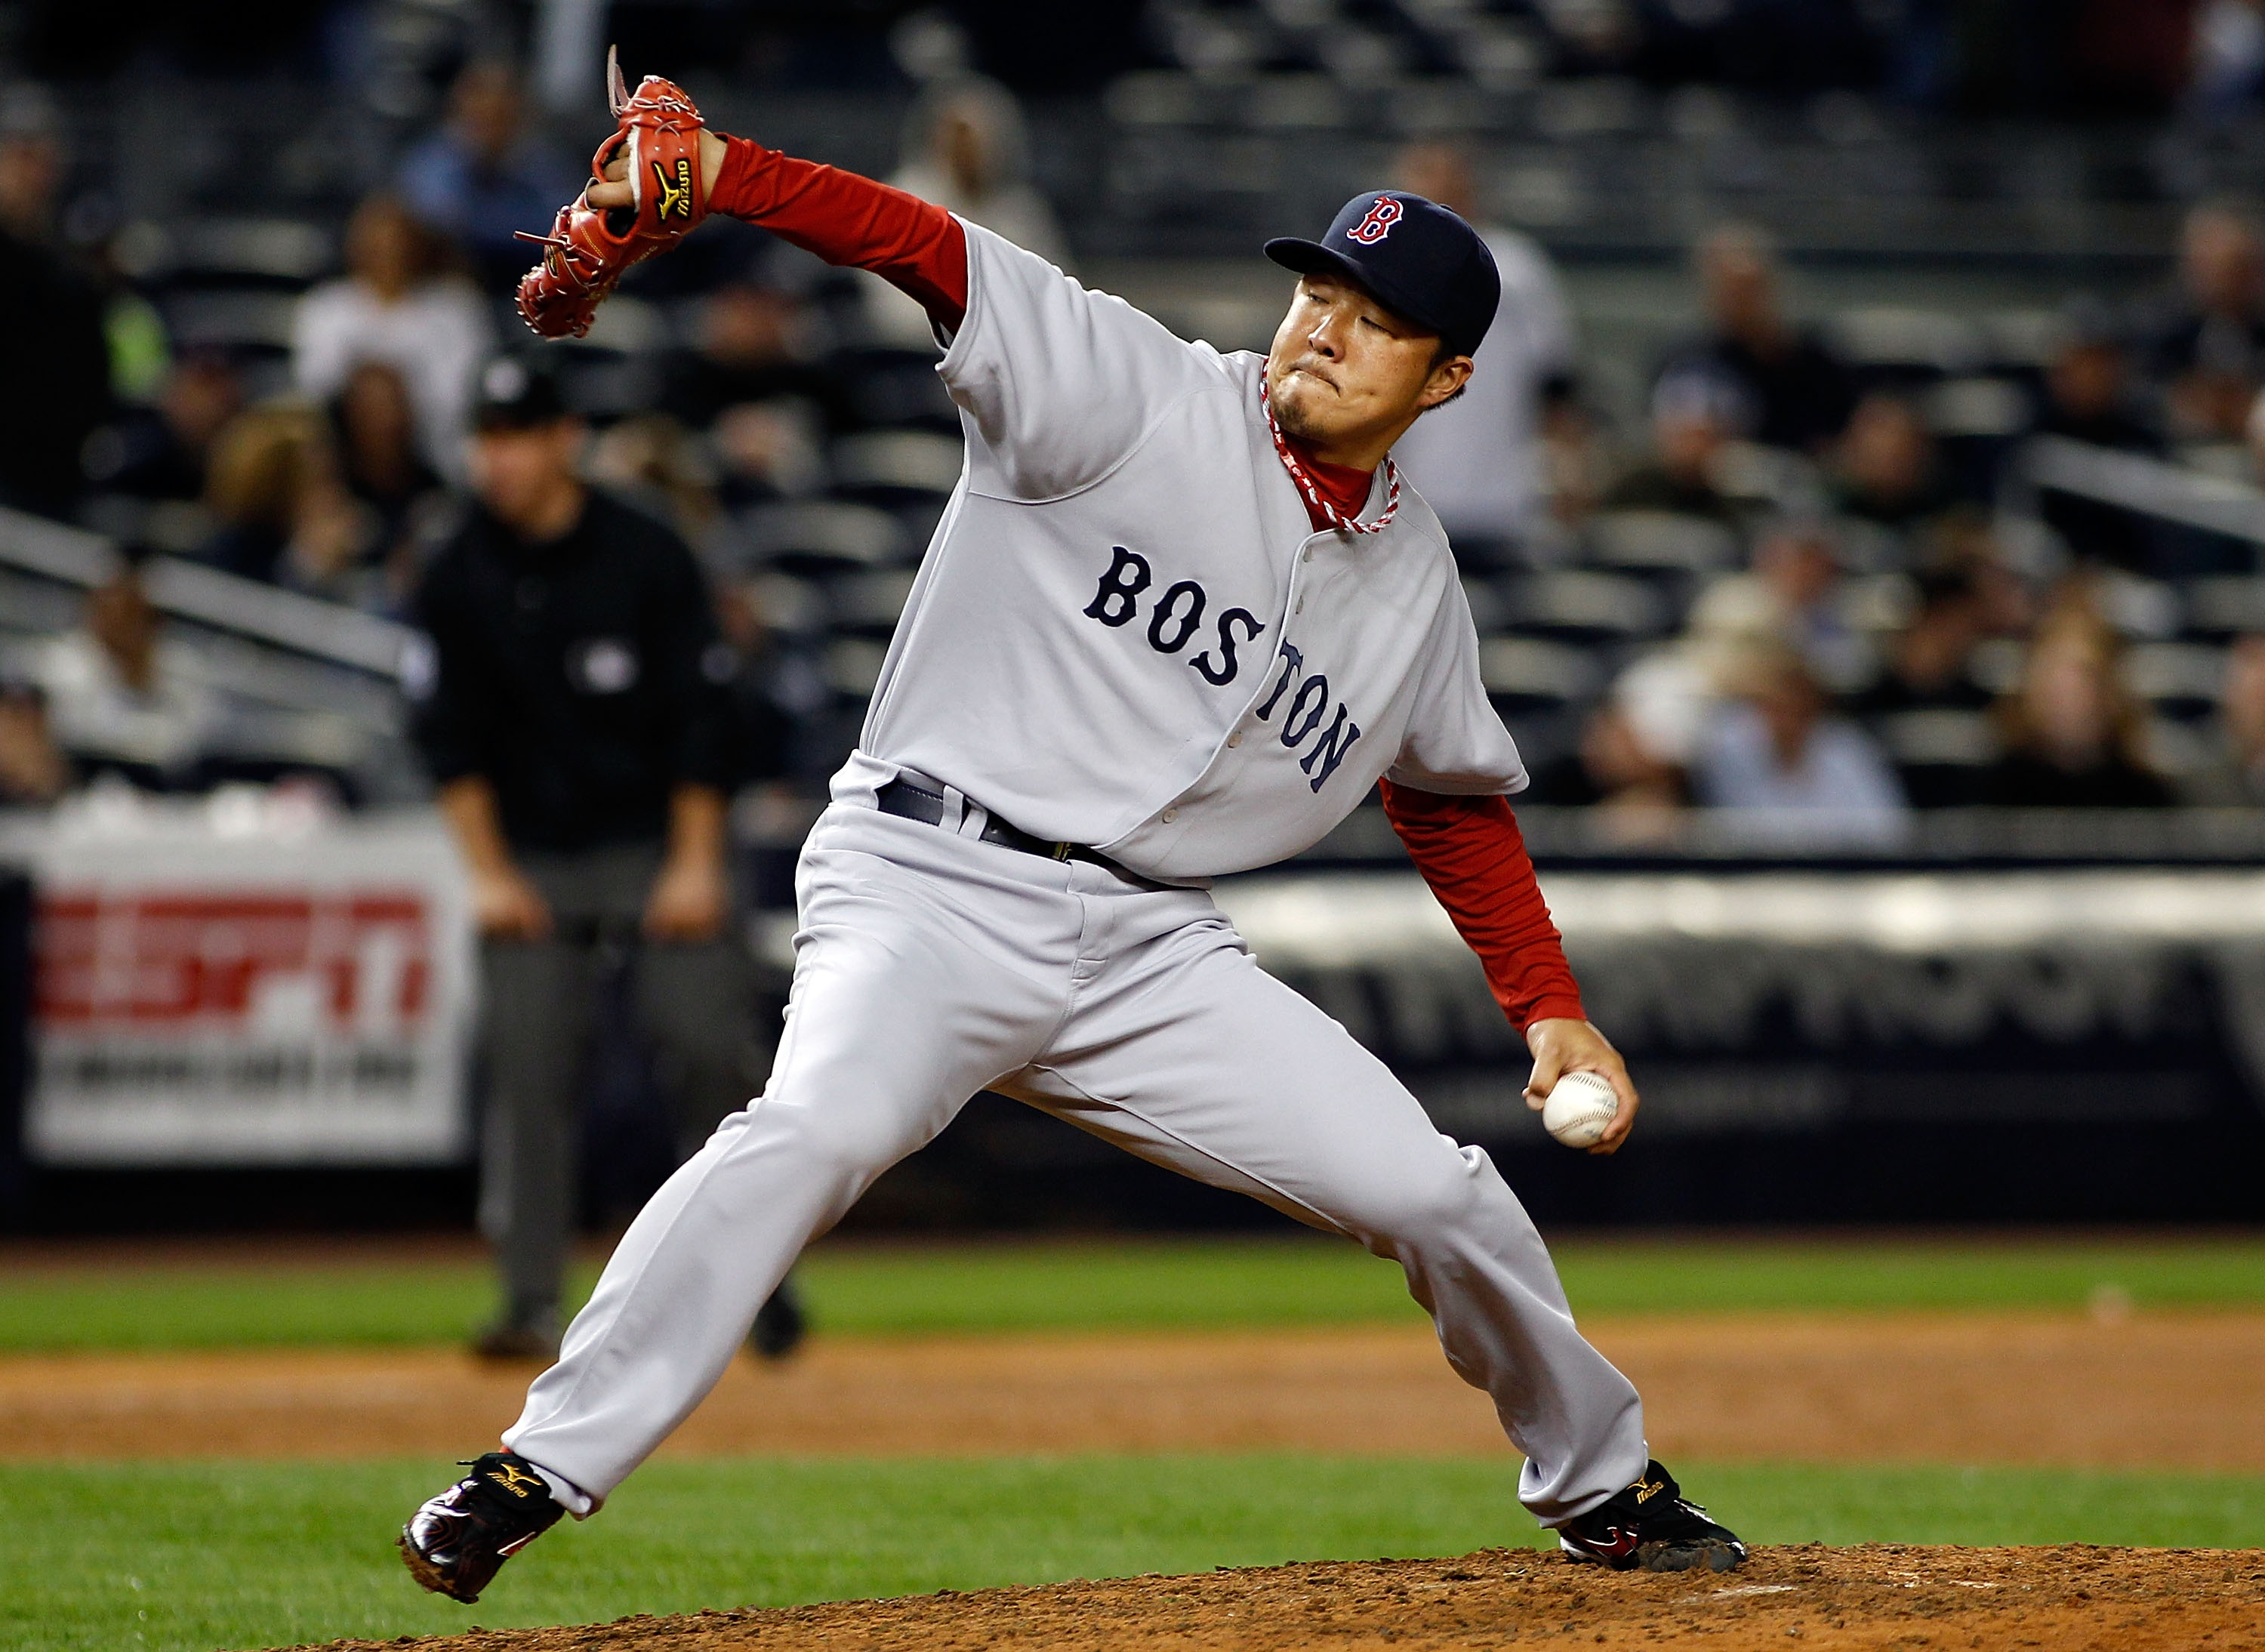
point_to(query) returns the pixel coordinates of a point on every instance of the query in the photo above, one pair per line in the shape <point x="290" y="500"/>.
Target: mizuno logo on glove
<point x="675" y="200"/>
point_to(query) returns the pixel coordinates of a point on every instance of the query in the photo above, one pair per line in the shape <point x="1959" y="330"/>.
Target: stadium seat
<point x="1530" y="673"/>
<point x="1926" y="343"/>
<point x="896" y="467"/>
<point x="823" y="537"/>
<point x="1578" y="605"/>
<point x="254" y="319"/>
<point x="2226" y="605"/>
<point x="1941" y="755"/>
<point x="786" y="604"/>
<point x="1978" y="406"/>
<point x="287" y="253"/>
<point x="1939" y="738"/>
<point x="2182" y="681"/>
<point x="1295" y="102"/>
<point x="1660" y="541"/>
<point x="868" y="604"/>
<point x="853" y="666"/>
<point x="1159" y="97"/>
<point x="897" y="388"/>
<point x="2142" y="609"/>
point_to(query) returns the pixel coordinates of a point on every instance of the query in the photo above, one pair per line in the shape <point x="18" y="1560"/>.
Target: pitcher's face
<point x="1343" y="366"/>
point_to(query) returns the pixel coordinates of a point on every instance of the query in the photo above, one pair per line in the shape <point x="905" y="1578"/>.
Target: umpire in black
<point x="578" y="725"/>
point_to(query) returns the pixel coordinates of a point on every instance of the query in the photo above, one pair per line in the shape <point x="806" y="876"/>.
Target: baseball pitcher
<point x="1180" y="615"/>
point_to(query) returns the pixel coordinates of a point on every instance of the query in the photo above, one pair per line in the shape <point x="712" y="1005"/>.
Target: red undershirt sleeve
<point x="1471" y="852"/>
<point x="848" y="220"/>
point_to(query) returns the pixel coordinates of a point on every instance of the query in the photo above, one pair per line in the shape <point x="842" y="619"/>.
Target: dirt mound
<point x="1873" y="1596"/>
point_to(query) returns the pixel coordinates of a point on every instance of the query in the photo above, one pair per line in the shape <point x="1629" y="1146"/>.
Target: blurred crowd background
<point x="1872" y="427"/>
<point x="1866" y="471"/>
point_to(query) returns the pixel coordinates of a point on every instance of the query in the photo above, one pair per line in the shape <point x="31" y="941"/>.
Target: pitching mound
<point x="1875" y="1596"/>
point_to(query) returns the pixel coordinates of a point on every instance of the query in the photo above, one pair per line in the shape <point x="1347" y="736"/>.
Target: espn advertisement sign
<point x="208" y="999"/>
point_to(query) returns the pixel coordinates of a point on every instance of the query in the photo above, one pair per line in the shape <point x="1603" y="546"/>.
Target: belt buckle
<point x="1061" y="851"/>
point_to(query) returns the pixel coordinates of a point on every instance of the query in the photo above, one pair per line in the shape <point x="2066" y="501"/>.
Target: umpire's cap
<point x="1418" y="258"/>
<point x="519" y="392"/>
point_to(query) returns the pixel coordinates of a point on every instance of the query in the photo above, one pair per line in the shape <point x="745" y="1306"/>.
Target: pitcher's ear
<point x="1450" y="376"/>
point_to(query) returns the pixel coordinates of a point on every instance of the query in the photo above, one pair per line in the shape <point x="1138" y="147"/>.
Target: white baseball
<point x="1579" y="1107"/>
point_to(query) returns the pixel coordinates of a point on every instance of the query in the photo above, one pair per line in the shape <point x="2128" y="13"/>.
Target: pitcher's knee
<point x="1448" y="1194"/>
<point x="834" y="1136"/>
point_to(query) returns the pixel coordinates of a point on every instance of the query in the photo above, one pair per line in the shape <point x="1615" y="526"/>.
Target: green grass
<point x="1182" y="1283"/>
<point x="194" y="1557"/>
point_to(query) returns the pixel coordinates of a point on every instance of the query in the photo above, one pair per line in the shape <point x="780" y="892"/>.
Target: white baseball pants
<point x="929" y="966"/>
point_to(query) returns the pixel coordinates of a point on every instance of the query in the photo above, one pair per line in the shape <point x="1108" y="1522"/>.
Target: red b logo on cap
<point x="1382" y="215"/>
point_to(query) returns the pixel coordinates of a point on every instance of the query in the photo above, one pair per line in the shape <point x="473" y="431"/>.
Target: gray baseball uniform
<point x="1126" y="635"/>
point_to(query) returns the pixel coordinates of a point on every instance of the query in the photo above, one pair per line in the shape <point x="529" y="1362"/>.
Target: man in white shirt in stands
<point x="1480" y="460"/>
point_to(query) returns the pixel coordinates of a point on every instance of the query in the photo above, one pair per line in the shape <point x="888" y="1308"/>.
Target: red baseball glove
<point x="587" y="249"/>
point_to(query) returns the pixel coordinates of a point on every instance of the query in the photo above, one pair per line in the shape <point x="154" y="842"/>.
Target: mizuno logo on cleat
<point x="515" y="1480"/>
<point x="1647" y="1490"/>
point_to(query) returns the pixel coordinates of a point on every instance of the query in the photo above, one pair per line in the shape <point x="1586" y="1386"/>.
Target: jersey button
<point x="1169" y="816"/>
<point x="1306" y="555"/>
<point x="1235" y="739"/>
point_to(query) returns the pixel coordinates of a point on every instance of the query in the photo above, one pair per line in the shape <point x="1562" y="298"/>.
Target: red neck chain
<point x="1319" y="500"/>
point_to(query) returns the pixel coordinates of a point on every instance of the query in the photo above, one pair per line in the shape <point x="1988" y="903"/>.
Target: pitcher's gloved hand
<point x="656" y="151"/>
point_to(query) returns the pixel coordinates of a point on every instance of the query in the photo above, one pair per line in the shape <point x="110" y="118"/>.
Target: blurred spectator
<point x="576" y="723"/>
<point x="124" y="698"/>
<point x="667" y="472"/>
<point x="2088" y="384"/>
<point x="2088" y="399"/>
<point x="1924" y="707"/>
<point x="2235" y="776"/>
<point x="1479" y="460"/>
<point x="1962" y="542"/>
<point x="161" y="451"/>
<point x="32" y="770"/>
<point x="484" y="176"/>
<point x="1929" y="664"/>
<point x="658" y="465"/>
<point x="1695" y="412"/>
<point x="2071" y="733"/>
<point x="374" y="431"/>
<point x="265" y="468"/>
<point x="963" y="150"/>
<point x="1885" y="469"/>
<point x="1612" y="768"/>
<point x="397" y="304"/>
<point x="2207" y="344"/>
<point x="2228" y="60"/>
<point x="750" y="344"/>
<point x="1796" y="773"/>
<point x="54" y="375"/>
<point x="288" y="513"/>
<point x="748" y="381"/>
<point x="1790" y="597"/>
<point x="1797" y="394"/>
<point x="2256" y="434"/>
<point x="763" y="727"/>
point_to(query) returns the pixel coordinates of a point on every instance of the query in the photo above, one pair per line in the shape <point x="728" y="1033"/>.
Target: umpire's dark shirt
<point x="581" y="676"/>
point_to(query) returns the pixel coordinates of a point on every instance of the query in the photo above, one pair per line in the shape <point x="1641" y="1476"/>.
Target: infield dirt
<point x="2065" y="1389"/>
<point x="1875" y="1596"/>
<point x="2057" y="1389"/>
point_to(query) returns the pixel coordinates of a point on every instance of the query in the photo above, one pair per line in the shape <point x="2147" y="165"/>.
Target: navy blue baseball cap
<point x="1418" y="258"/>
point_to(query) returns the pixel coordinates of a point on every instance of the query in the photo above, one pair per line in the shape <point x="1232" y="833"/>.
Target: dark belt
<point x="918" y="803"/>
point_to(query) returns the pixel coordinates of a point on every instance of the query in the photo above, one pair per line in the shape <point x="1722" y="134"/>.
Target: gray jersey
<point x="1126" y="633"/>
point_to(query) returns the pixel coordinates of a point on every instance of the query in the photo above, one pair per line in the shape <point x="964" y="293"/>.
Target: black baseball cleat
<point x="780" y="1325"/>
<point x="459" y="1540"/>
<point x="1651" y="1527"/>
